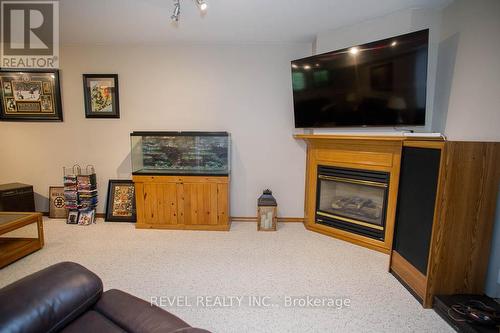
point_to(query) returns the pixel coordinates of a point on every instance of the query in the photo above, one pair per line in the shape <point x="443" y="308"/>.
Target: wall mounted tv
<point x="382" y="83"/>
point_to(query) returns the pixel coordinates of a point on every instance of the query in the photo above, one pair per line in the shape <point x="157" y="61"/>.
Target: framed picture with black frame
<point x="30" y="95"/>
<point x="101" y="95"/>
<point x="120" y="205"/>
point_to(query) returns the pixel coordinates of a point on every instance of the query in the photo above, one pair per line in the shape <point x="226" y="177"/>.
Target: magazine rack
<point x="80" y="194"/>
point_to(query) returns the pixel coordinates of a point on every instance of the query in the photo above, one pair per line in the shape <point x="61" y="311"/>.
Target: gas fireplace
<point x="352" y="200"/>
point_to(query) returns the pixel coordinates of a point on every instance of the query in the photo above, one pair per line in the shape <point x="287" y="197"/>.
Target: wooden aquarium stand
<point x="182" y="202"/>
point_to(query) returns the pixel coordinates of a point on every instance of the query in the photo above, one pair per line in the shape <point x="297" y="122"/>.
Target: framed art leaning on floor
<point x="120" y="205"/>
<point x="57" y="207"/>
<point x="30" y="95"/>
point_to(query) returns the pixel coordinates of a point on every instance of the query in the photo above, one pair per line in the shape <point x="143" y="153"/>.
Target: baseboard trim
<point x="233" y="218"/>
<point x="98" y="215"/>
<point x="280" y="219"/>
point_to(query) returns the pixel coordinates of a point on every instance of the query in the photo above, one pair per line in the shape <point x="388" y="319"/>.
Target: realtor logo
<point x="29" y="34"/>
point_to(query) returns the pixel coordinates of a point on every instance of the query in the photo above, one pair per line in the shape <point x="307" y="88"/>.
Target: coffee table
<point x="20" y="235"/>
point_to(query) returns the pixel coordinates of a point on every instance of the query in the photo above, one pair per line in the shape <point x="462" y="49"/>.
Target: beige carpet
<point x="272" y="267"/>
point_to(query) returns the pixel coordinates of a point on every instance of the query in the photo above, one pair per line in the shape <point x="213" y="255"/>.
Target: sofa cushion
<point x="136" y="315"/>
<point x="92" y="321"/>
<point x="48" y="300"/>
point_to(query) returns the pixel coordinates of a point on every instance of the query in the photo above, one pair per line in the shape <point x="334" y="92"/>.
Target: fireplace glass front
<point x="352" y="200"/>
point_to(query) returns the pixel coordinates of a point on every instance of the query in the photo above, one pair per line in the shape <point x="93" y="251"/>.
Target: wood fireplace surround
<point x="380" y="154"/>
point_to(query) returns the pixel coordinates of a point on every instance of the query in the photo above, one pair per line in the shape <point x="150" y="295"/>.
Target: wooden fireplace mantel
<point x="361" y="152"/>
<point x="396" y="138"/>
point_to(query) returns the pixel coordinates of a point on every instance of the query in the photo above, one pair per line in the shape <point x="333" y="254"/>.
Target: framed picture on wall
<point x="120" y="205"/>
<point x="57" y="208"/>
<point x="101" y="95"/>
<point x="30" y="95"/>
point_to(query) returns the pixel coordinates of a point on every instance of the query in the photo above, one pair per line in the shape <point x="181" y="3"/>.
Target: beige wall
<point x="245" y="90"/>
<point x="472" y="30"/>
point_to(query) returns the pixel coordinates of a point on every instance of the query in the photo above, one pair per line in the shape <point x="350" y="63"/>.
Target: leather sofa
<point x="67" y="297"/>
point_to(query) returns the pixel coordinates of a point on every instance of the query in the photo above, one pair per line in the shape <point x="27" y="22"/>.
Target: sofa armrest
<point x="190" y="330"/>
<point x="138" y="316"/>
<point x="48" y="300"/>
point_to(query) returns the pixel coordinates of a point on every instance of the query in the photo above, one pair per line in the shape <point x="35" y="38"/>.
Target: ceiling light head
<point x="202" y="4"/>
<point x="307" y="67"/>
<point x="354" y="50"/>
<point x="394" y="43"/>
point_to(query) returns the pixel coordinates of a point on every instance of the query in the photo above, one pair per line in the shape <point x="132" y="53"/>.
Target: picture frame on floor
<point x="101" y="95"/>
<point x="72" y="217"/>
<point x="30" y="95"/>
<point x="120" y="205"/>
<point x="57" y="207"/>
<point x="86" y="217"/>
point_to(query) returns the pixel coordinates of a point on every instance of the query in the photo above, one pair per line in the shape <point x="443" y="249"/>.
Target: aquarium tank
<point x="180" y="153"/>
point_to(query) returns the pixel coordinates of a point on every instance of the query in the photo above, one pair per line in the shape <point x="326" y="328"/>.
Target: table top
<point x="13" y="186"/>
<point x="12" y="218"/>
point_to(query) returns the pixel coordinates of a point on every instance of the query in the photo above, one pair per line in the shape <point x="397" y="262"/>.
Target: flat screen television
<point x="382" y="83"/>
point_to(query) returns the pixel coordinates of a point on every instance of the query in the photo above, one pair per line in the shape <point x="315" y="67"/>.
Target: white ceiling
<point x="226" y="21"/>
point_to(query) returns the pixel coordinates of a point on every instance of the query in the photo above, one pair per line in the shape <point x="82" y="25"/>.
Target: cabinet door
<point x="416" y="200"/>
<point x="198" y="203"/>
<point x="160" y="203"/>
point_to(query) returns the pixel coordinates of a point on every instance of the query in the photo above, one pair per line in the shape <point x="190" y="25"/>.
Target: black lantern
<point x="267" y="212"/>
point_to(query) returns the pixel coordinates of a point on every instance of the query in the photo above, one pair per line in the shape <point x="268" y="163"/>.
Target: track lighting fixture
<point x="177" y="11"/>
<point x="202" y="5"/>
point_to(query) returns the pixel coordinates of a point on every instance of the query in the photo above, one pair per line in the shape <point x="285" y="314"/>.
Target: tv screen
<point x="382" y="83"/>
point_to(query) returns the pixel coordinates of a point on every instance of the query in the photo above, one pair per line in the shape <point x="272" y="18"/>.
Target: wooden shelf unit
<point x="182" y="202"/>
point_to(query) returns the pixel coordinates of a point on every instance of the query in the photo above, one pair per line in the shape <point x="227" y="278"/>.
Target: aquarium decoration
<point x="196" y="153"/>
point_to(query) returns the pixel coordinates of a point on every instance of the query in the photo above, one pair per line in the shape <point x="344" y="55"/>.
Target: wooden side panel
<point x="412" y="276"/>
<point x="462" y="236"/>
<point x="393" y="196"/>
